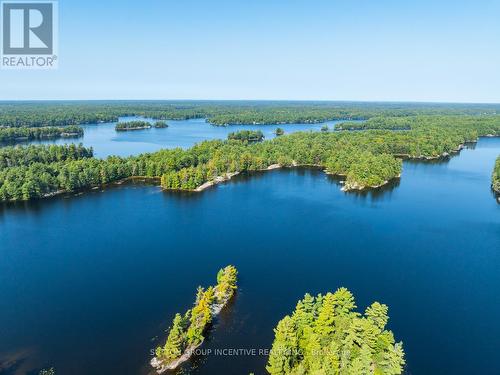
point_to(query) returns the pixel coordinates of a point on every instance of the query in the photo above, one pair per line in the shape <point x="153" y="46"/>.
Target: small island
<point x="279" y="132"/>
<point x="188" y="330"/>
<point x="325" y="335"/>
<point x="160" y="124"/>
<point x="246" y="135"/>
<point x="132" y="125"/>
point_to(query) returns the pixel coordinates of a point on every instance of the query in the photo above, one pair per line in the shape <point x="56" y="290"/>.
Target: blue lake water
<point x="185" y="133"/>
<point x="89" y="283"/>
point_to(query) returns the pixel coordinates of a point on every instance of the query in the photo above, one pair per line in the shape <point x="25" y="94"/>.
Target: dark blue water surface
<point x="89" y="283"/>
<point x="107" y="141"/>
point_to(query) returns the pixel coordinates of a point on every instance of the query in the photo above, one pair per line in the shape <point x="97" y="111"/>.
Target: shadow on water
<point x="36" y="206"/>
<point x="219" y="323"/>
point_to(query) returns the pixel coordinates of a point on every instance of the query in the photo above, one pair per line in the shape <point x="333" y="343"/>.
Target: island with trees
<point x="246" y="135"/>
<point x="160" y="124"/>
<point x="279" y="132"/>
<point x="326" y="335"/>
<point x="495" y="178"/>
<point x="132" y="125"/>
<point x="188" y="330"/>
<point x="13" y="135"/>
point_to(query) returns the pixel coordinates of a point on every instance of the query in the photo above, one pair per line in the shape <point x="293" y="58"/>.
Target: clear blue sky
<point x="271" y="49"/>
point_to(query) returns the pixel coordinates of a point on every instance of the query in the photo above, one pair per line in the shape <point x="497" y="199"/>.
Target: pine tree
<point x="378" y="314"/>
<point x="334" y="339"/>
<point x="284" y="352"/>
<point x="175" y="341"/>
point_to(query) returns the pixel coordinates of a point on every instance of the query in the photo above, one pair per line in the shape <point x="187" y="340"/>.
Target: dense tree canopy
<point x="25" y="156"/>
<point x="325" y="335"/>
<point x="366" y="158"/>
<point x="31" y="114"/>
<point x="132" y="125"/>
<point x="483" y="125"/>
<point x="188" y="330"/>
<point x="160" y="124"/>
<point x="25" y="134"/>
<point x="247" y="135"/>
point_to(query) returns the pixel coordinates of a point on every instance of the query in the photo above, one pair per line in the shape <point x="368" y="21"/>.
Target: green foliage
<point x="358" y="155"/>
<point x="132" y="125"/>
<point x="188" y="330"/>
<point x="325" y="335"/>
<point x="25" y="134"/>
<point x="29" y="114"/>
<point x="279" y="132"/>
<point x="160" y="124"/>
<point x="247" y="135"/>
<point x="495" y="178"/>
<point x="477" y="125"/>
<point x="25" y="156"/>
<point x="176" y="340"/>
<point x="372" y="170"/>
<point x="226" y="284"/>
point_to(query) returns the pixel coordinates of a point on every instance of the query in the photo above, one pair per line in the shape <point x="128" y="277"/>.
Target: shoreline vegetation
<point x="367" y="159"/>
<point x="487" y="126"/>
<point x="495" y="179"/>
<point x="160" y="124"/>
<point x="132" y="125"/>
<point x="224" y="113"/>
<point x="326" y="335"/>
<point x="188" y="331"/>
<point x="246" y="135"/>
<point x="139" y="125"/>
<point x="14" y="135"/>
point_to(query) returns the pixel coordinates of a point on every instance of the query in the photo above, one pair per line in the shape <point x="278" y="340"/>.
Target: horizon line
<point x="256" y="100"/>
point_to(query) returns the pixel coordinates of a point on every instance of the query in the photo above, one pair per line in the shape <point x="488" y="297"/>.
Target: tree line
<point x="43" y="154"/>
<point x="138" y="125"/>
<point x="247" y="135"/>
<point x="27" y="134"/>
<point x="366" y="158"/>
<point x="132" y="125"/>
<point x="325" y="335"/>
<point x="486" y="125"/>
<point x="30" y="114"/>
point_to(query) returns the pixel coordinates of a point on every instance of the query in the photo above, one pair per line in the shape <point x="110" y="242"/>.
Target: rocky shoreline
<point x="162" y="365"/>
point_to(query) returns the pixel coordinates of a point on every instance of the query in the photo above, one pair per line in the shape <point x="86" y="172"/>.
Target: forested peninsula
<point x="188" y="330"/>
<point x="13" y="135"/>
<point x="325" y="335"/>
<point x="367" y="159"/>
<point x="488" y="126"/>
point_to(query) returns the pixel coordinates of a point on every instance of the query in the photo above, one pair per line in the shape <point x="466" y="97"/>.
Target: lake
<point x="183" y="133"/>
<point x="89" y="283"/>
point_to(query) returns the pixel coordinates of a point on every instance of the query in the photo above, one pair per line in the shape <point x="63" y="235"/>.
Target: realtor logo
<point x="28" y="34"/>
